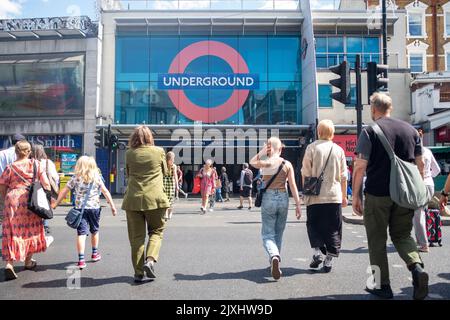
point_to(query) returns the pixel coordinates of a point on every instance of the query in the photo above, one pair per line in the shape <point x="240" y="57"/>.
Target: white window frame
<point x="417" y="7"/>
<point x="446" y="9"/>
<point x="418" y="47"/>
<point x="447" y="52"/>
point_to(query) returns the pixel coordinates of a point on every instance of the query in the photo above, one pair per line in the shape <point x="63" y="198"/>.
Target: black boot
<point x="420" y="281"/>
<point x="384" y="292"/>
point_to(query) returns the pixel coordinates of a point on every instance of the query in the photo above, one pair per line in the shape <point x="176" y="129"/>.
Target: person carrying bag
<point x="260" y="194"/>
<point x="313" y="185"/>
<point x="74" y="216"/>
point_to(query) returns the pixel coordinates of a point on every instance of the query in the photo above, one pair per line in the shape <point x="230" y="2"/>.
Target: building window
<point x="416" y="62"/>
<point x="325" y="100"/>
<point x="331" y="51"/>
<point x="447" y="24"/>
<point x="415" y="24"/>
<point x="416" y="19"/>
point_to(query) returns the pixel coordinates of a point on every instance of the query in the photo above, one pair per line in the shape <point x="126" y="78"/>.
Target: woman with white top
<point x="431" y="170"/>
<point x="49" y="168"/>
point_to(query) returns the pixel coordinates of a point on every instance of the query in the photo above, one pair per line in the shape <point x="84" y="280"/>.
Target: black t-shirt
<point x="406" y="144"/>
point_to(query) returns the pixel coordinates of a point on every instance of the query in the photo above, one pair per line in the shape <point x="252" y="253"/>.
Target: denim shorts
<point x="90" y="222"/>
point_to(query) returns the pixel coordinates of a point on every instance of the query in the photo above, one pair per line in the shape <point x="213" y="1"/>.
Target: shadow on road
<point x="389" y="249"/>
<point x="437" y="291"/>
<point x="85" y="282"/>
<point x="445" y="276"/>
<point x="259" y="276"/>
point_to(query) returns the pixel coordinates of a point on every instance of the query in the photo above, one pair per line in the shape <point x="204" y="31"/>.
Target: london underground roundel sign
<point x="240" y="81"/>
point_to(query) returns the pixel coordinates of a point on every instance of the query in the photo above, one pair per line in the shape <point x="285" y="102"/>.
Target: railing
<point x="207" y="5"/>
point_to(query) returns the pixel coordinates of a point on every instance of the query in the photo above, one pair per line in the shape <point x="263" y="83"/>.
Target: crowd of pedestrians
<point x="154" y="182"/>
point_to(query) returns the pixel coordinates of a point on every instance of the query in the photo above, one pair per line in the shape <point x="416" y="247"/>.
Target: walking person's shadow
<point x="259" y="276"/>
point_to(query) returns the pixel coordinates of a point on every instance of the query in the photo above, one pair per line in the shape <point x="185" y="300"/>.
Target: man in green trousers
<point x="380" y="212"/>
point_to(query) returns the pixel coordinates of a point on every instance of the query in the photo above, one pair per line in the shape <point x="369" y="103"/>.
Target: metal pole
<point x="110" y="160"/>
<point x="359" y="105"/>
<point x="385" y="50"/>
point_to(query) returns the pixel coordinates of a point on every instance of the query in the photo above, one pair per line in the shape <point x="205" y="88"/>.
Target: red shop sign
<point x="346" y="142"/>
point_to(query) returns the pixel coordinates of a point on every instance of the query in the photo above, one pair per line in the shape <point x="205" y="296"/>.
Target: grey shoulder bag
<point x="406" y="186"/>
<point x="312" y="185"/>
<point x="74" y="215"/>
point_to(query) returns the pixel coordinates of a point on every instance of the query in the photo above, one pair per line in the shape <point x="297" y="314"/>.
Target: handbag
<point x="39" y="199"/>
<point x="74" y="216"/>
<point x="260" y="194"/>
<point x="54" y="187"/>
<point x="312" y="185"/>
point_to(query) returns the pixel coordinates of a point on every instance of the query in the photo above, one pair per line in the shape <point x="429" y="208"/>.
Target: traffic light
<point x="375" y="78"/>
<point x="114" y="142"/>
<point x="342" y="83"/>
<point x="100" y="138"/>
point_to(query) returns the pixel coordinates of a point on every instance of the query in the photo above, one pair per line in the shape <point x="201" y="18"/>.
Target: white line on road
<point x="354" y="232"/>
<point x="300" y="259"/>
<point x="397" y="266"/>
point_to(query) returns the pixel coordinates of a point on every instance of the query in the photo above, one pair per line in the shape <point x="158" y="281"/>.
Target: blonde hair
<point x="275" y="143"/>
<point x="22" y="149"/>
<point x="381" y="101"/>
<point x="170" y="156"/>
<point x="87" y="169"/>
<point x="141" y="136"/>
<point x="325" y="130"/>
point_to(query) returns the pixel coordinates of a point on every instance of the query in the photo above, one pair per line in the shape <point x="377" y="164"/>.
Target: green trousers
<point x="381" y="213"/>
<point x="139" y="224"/>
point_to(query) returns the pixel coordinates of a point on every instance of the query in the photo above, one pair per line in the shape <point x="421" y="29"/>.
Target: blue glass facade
<point x="141" y="60"/>
<point x="332" y="50"/>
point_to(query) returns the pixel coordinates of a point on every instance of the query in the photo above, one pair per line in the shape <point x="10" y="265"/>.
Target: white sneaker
<point x="203" y="210"/>
<point x="185" y="196"/>
<point x="211" y="209"/>
<point x="49" y="240"/>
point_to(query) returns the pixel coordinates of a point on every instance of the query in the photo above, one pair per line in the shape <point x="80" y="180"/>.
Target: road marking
<point x="354" y="232"/>
<point x="435" y="296"/>
<point x="300" y="259"/>
<point x="410" y="279"/>
<point x="364" y="241"/>
<point x="360" y="236"/>
<point x="348" y="228"/>
<point x="397" y="266"/>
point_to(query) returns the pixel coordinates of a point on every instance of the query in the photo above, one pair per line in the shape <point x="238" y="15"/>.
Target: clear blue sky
<point x="46" y="8"/>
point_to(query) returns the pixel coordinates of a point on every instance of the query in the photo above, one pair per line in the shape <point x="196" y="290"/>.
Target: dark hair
<point x="38" y="152"/>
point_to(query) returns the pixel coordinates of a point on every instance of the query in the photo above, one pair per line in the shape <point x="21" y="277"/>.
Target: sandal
<point x="10" y="274"/>
<point x="32" y="266"/>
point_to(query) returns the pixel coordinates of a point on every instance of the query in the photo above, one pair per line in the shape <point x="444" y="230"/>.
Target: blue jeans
<point x="219" y="194"/>
<point x="274" y="211"/>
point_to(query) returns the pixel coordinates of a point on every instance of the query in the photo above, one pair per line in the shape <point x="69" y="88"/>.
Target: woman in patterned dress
<point x="170" y="182"/>
<point x="208" y="178"/>
<point x="23" y="230"/>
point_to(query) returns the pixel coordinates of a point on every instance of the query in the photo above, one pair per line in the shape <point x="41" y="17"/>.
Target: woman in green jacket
<point x="145" y="201"/>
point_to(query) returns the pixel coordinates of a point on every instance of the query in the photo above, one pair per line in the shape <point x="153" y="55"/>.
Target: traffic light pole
<point x="385" y="50"/>
<point x="110" y="158"/>
<point x="359" y="106"/>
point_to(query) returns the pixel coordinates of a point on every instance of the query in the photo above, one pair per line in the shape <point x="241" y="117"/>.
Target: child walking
<point x="170" y="182"/>
<point x="87" y="180"/>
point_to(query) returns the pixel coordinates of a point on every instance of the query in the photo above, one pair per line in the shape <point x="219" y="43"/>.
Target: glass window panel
<point x="336" y="44"/>
<point x="371" y="45"/>
<point x="415" y="24"/>
<point x="321" y="61"/>
<point x="283" y="102"/>
<point x="284" y="58"/>
<point x="354" y="44"/>
<point x="448" y="62"/>
<point x="50" y="85"/>
<point x="321" y="44"/>
<point x="447" y="23"/>
<point x="325" y="100"/>
<point x="132" y="58"/>
<point x="162" y="53"/>
<point x="254" y="52"/>
<point x="416" y="63"/>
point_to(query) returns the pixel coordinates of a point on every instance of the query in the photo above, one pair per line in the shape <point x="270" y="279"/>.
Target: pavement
<point x="216" y="256"/>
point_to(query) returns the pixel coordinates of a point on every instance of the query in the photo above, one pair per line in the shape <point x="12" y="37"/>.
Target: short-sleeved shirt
<point x="406" y="144"/>
<point x="80" y="188"/>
